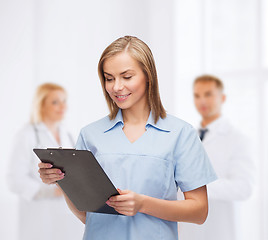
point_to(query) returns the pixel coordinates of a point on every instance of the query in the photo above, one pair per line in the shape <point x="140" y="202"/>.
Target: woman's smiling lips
<point x="122" y="97"/>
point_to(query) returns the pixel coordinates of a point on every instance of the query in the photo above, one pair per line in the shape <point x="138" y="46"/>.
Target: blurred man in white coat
<point x="229" y="153"/>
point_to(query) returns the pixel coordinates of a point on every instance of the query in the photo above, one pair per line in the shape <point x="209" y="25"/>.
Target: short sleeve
<point x="80" y="144"/>
<point x="193" y="168"/>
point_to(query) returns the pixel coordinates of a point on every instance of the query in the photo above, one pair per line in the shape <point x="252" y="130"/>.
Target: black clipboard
<point x="85" y="182"/>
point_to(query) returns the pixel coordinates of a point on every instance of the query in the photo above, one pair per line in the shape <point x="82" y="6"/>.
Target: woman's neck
<point x="52" y="125"/>
<point x="136" y="116"/>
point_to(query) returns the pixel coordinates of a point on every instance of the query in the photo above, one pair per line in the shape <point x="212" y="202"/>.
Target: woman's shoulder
<point x="98" y="125"/>
<point x="175" y="123"/>
<point x="24" y="135"/>
<point x="26" y="129"/>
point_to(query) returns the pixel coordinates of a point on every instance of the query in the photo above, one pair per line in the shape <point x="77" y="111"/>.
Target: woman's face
<point x="54" y="106"/>
<point x="125" y="82"/>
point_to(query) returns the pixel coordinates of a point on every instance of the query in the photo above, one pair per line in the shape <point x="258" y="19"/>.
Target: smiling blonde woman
<point x="147" y="153"/>
<point x="42" y="212"/>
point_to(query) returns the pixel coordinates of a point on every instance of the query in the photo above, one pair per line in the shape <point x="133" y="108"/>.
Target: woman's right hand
<point x="48" y="174"/>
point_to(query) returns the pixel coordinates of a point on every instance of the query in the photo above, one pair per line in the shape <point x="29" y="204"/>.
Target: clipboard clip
<point x="61" y="148"/>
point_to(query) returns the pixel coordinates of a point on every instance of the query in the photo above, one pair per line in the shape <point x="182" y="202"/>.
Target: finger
<point x="45" y="165"/>
<point x="117" y="204"/>
<point x="123" y="197"/>
<point x="50" y="176"/>
<point x="51" y="179"/>
<point x="127" y="213"/>
<point x="119" y="190"/>
<point x="121" y="209"/>
<point x="119" y="198"/>
<point x="124" y="191"/>
<point x="50" y="171"/>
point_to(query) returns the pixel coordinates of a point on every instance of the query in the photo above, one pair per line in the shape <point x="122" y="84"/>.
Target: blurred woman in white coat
<point x="43" y="213"/>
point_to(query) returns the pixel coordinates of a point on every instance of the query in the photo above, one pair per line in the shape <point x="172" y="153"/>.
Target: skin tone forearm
<point x="79" y="214"/>
<point x="193" y="209"/>
<point x="51" y="175"/>
<point x="188" y="210"/>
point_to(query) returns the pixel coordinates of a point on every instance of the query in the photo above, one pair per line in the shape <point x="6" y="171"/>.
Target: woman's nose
<point x="63" y="105"/>
<point x="118" y="85"/>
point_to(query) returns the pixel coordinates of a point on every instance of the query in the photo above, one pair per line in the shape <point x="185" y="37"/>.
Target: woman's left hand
<point x="127" y="203"/>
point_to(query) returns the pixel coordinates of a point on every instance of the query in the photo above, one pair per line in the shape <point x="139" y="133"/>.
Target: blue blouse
<point x="168" y="156"/>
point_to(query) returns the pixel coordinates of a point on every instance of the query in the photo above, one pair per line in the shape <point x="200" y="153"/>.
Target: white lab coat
<point x="229" y="153"/>
<point x="41" y="215"/>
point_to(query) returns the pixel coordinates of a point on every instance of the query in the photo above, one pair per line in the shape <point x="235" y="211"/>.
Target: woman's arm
<point x="50" y="175"/>
<point x="80" y="214"/>
<point x="193" y="209"/>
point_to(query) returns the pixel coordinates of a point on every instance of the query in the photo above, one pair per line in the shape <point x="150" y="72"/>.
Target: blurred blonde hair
<point x="39" y="99"/>
<point x="139" y="51"/>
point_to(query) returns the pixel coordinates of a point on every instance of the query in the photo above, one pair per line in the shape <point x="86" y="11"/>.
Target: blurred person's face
<point x="208" y="99"/>
<point x="125" y="81"/>
<point x="54" y="106"/>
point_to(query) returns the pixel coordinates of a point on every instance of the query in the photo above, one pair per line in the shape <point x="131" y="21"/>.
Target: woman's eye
<point x="55" y="102"/>
<point x="108" y="79"/>
<point x="127" y="77"/>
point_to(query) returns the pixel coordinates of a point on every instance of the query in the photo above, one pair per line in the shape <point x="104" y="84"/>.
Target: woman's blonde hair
<point x="139" y="51"/>
<point x="39" y="99"/>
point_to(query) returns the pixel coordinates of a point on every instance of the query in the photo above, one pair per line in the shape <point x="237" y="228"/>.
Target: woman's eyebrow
<point x="107" y="73"/>
<point x="128" y="70"/>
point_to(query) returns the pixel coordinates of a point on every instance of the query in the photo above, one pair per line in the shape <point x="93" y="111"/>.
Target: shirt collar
<point x="216" y="125"/>
<point x="41" y="126"/>
<point x="160" y="125"/>
<point x="150" y="122"/>
<point x="112" y="123"/>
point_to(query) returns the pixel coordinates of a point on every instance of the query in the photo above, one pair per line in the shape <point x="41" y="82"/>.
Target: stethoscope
<point x="38" y="142"/>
